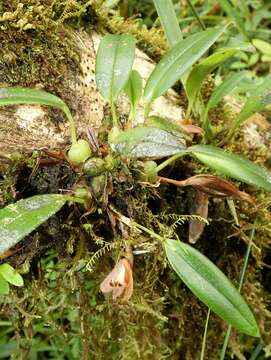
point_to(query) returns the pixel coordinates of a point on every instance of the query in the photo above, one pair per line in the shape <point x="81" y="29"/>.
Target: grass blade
<point x="168" y="21"/>
<point x="205" y="336"/>
<point x="225" y="88"/>
<point x="228" y="333"/>
<point x="200" y="71"/>
<point x="194" y="11"/>
<point x="255" y="103"/>
<point x="235" y="16"/>
<point x="177" y="61"/>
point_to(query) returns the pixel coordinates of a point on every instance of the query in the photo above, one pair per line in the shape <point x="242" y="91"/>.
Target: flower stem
<point x="228" y="333"/>
<point x="148" y="231"/>
<point x="114" y="115"/>
<point x="169" y="161"/>
<point x="72" y="125"/>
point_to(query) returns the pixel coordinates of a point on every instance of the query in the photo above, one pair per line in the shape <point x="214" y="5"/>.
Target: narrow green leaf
<point x="11" y="275"/>
<point x="234" y="14"/>
<point x="232" y="165"/>
<point x="144" y="142"/>
<point x="254" y="58"/>
<point x="225" y="88"/>
<point x="211" y="286"/>
<point x="200" y="71"/>
<point x="177" y="61"/>
<point x="19" y="219"/>
<point x="266" y="58"/>
<point x="168" y="20"/>
<point x="167" y="125"/>
<point x="14" y="95"/>
<point x="257" y="102"/>
<point x="114" y="63"/>
<point x="4" y="286"/>
<point x="263" y="46"/>
<point x="133" y="89"/>
<point x="20" y="96"/>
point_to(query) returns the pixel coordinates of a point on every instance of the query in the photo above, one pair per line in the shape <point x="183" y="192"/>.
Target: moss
<point x="151" y="41"/>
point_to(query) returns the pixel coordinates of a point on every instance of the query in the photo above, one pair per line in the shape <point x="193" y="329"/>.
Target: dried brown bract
<point x="199" y="207"/>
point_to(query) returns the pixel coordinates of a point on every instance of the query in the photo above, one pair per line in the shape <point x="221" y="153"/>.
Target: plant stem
<point x="225" y="343"/>
<point x="147" y="110"/>
<point x="148" y="231"/>
<point x="194" y="11"/>
<point x="114" y="115"/>
<point x="256" y="352"/>
<point x="206" y="124"/>
<point x="228" y="333"/>
<point x="74" y="199"/>
<point x="72" y="125"/>
<point x="233" y="211"/>
<point x="169" y="161"/>
<point x="205" y="336"/>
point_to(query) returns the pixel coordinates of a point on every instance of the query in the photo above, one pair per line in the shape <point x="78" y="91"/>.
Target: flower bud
<point x="94" y="166"/>
<point x="79" y="152"/>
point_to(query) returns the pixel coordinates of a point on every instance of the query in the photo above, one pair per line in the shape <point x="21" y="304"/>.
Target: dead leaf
<point x="199" y="207"/>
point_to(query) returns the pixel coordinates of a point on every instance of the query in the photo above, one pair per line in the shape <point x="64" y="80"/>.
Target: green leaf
<point x="263" y="46"/>
<point x="257" y="102"/>
<point x="200" y="71"/>
<point x="225" y="88"/>
<point x="238" y="65"/>
<point x="169" y="21"/>
<point x="19" y="219"/>
<point x="266" y="58"/>
<point x="167" y="125"/>
<point x="11" y="275"/>
<point x="14" y="95"/>
<point x="234" y="15"/>
<point x="254" y="58"/>
<point x="177" y="61"/>
<point x="133" y="89"/>
<point x="4" y="286"/>
<point x="114" y="63"/>
<point x="232" y="165"/>
<point x="20" y="96"/>
<point x="141" y="142"/>
<point x="211" y="286"/>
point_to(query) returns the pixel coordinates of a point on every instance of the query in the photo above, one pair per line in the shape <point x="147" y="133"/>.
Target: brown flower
<point x="119" y="281"/>
<point x="211" y="185"/>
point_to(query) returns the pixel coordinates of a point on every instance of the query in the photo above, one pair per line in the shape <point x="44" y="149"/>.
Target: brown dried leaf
<point x="199" y="207"/>
<point x="192" y="129"/>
